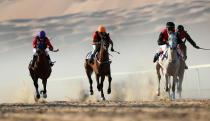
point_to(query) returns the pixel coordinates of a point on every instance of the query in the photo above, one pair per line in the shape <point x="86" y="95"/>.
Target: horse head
<point x="105" y="41"/>
<point x="40" y="48"/>
<point x="172" y="51"/>
<point x="103" y="53"/>
<point x="183" y="49"/>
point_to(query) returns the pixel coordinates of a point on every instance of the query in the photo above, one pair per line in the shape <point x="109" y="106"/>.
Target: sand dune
<point x="133" y="25"/>
<point x="137" y="19"/>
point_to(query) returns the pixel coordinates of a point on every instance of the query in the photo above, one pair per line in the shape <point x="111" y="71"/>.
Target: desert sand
<point x="192" y="110"/>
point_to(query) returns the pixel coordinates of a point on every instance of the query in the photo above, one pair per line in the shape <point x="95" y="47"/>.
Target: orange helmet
<point x="101" y="29"/>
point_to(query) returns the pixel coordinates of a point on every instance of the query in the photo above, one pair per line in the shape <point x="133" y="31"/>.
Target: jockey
<point x="184" y="35"/>
<point x="163" y="38"/>
<point x="41" y="38"/>
<point x="96" y="42"/>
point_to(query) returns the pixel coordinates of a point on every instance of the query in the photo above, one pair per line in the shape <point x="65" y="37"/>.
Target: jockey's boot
<point x="91" y="59"/>
<point x="156" y="57"/>
<point x="33" y="61"/>
<point x="49" y="60"/>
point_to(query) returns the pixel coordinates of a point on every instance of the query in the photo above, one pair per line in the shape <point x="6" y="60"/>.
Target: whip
<point x="55" y="50"/>
<point x="204" y="48"/>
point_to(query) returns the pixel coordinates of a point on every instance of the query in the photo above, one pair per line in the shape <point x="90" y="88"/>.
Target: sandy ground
<point x="187" y="110"/>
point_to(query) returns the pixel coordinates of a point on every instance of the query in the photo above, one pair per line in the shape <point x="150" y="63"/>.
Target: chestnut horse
<point x="40" y="70"/>
<point x="101" y="67"/>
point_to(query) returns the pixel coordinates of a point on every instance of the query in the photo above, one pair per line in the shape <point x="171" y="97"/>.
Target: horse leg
<point x="174" y="87"/>
<point x="159" y="78"/>
<point x="101" y="85"/>
<point x="98" y="84"/>
<point x="89" y="72"/>
<point x="109" y="88"/>
<point x="181" y="76"/>
<point x="44" y="92"/>
<point x="180" y="86"/>
<point x="37" y="95"/>
<point x="167" y="79"/>
<point x="168" y="85"/>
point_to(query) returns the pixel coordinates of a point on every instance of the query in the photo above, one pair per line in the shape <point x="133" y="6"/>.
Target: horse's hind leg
<point x="101" y="85"/>
<point x="44" y="82"/>
<point x="109" y="88"/>
<point x="89" y="72"/>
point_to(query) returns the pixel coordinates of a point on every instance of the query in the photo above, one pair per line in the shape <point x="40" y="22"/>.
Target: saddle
<point x="164" y="55"/>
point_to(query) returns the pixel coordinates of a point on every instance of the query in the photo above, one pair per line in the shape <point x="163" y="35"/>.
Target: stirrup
<point x="186" y="67"/>
<point x="52" y="63"/>
<point x="91" y="60"/>
<point x="155" y="58"/>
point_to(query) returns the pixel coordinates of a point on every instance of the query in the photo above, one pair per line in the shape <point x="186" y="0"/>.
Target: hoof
<point x="44" y="95"/>
<point x="173" y="97"/>
<point x="109" y="91"/>
<point x="158" y="93"/>
<point x="36" y="98"/>
<point x="99" y="88"/>
<point x="91" y="92"/>
<point x="167" y="89"/>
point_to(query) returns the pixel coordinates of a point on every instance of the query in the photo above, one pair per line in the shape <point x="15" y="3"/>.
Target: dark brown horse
<point x="40" y="70"/>
<point x="101" y="67"/>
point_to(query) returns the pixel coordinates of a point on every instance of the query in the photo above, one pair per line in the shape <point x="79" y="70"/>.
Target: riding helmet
<point x="170" y="25"/>
<point x="180" y="28"/>
<point x="101" y="29"/>
<point x="42" y="34"/>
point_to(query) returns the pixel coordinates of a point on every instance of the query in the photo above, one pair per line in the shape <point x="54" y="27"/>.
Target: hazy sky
<point x="134" y="26"/>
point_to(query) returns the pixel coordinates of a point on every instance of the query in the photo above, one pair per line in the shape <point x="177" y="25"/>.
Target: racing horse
<point x="101" y="67"/>
<point x="41" y="70"/>
<point x="183" y="53"/>
<point x="169" y="65"/>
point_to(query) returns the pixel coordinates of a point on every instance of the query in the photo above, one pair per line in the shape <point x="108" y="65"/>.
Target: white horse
<point x="181" y="69"/>
<point x="170" y="65"/>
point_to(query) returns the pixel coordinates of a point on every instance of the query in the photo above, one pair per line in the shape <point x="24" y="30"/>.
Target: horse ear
<point x="108" y="34"/>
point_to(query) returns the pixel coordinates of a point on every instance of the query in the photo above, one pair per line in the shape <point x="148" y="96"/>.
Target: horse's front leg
<point x="159" y="78"/>
<point x="168" y="85"/>
<point x="109" y="88"/>
<point x="102" y="85"/>
<point x="97" y="81"/>
<point x="37" y="95"/>
<point x="173" y="87"/>
<point x="89" y="72"/>
<point x="167" y="79"/>
<point x="44" y="92"/>
<point x="180" y="87"/>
